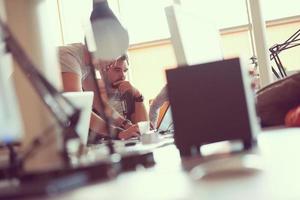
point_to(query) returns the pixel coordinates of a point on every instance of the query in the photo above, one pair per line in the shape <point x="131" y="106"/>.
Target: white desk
<point x="279" y="149"/>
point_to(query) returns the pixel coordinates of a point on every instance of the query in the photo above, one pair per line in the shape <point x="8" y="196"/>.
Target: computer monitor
<point x="194" y="37"/>
<point x="11" y="129"/>
<point x="212" y="102"/>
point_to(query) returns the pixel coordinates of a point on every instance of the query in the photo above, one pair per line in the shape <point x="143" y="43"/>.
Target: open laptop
<point x="84" y="101"/>
<point x="165" y="125"/>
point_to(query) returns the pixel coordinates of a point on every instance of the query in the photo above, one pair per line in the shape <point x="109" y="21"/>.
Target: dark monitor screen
<point x="211" y="102"/>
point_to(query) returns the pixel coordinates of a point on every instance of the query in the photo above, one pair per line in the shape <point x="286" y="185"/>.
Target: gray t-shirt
<point x="71" y="58"/>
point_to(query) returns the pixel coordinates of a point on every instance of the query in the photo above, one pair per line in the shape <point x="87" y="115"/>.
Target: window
<point x="224" y="13"/>
<point x="280" y="9"/>
<point x="74" y="16"/>
<point x="145" y="19"/>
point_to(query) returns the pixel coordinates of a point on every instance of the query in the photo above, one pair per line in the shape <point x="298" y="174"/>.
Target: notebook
<point x="84" y="101"/>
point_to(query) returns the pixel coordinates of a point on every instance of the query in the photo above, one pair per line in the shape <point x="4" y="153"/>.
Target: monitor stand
<point x="229" y="167"/>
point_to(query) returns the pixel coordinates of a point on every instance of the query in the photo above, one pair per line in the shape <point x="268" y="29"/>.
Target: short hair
<point x="124" y="57"/>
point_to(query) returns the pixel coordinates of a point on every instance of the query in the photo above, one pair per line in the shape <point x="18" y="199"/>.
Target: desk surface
<point x="279" y="150"/>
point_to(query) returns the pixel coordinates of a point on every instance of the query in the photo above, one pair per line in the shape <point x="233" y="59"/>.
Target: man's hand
<point x="132" y="131"/>
<point x="125" y="86"/>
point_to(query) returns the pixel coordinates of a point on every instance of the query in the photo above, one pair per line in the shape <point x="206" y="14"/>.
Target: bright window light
<point x="146" y="21"/>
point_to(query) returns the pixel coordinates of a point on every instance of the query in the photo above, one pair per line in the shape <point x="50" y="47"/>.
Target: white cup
<point x="150" y="138"/>
<point x="144" y="127"/>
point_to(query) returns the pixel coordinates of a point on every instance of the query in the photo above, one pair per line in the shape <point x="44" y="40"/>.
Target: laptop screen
<point x="166" y="123"/>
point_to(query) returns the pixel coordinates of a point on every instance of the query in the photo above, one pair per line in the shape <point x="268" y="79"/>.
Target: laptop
<point x="212" y="102"/>
<point x="165" y="125"/>
<point x="84" y="101"/>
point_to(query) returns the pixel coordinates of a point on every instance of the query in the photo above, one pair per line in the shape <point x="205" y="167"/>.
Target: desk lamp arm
<point x="61" y="108"/>
<point x="291" y="42"/>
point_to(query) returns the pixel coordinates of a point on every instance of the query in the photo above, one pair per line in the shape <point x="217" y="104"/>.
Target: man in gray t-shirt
<point x="125" y="101"/>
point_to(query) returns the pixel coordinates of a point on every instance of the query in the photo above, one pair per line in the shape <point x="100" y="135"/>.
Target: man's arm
<point x="129" y="129"/>
<point x="116" y="117"/>
<point x="140" y="113"/>
<point x="72" y="83"/>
